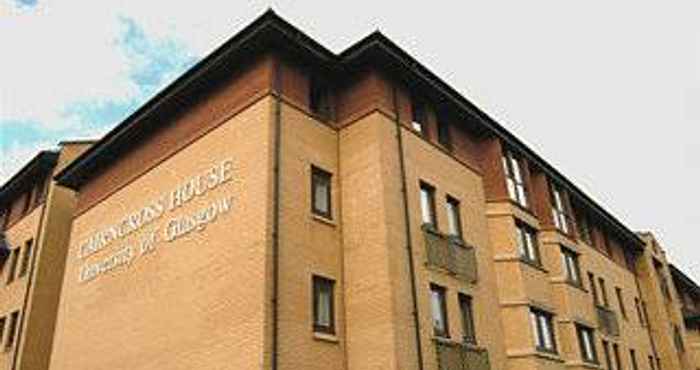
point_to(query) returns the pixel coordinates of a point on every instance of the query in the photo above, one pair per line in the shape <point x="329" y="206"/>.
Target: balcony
<point x="607" y="321"/>
<point x="450" y="254"/>
<point x="457" y="356"/>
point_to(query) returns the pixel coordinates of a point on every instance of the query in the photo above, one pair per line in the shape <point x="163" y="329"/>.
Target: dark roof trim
<point x="271" y="30"/>
<point x="684" y="279"/>
<point x="41" y="164"/>
<point x="268" y="29"/>
<point x="378" y="43"/>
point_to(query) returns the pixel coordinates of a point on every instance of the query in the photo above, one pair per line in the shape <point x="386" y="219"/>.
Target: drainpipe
<point x="276" y="208"/>
<point x="407" y="221"/>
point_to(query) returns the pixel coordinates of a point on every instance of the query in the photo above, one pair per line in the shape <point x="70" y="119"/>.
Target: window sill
<point x="325" y="337"/>
<point x="535" y="265"/>
<point x="323" y="220"/>
<point x="573" y="284"/>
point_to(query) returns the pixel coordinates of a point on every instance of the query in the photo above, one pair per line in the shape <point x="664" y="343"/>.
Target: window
<point x="319" y="102"/>
<point x="527" y="243"/>
<point x="658" y="363"/>
<point x="515" y="178"/>
<point x="3" y="219"/>
<point x="324" y="315"/>
<point x="2" y="328"/>
<point x="584" y="228"/>
<point x="594" y="289"/>
<point x="570" y="264"/>
<point x="663" y="282"/>
<point x="677" y="339"/>
<point x="443" y="130"/>
<point x="427" y="204"/>
<point x="454" y="220"/>
<point x="418" y="118"/>
<point x="26" y="258"/>
<point x="621" y="302"/>
<point x="633" y="359"/>
<point x="559" y="214"/>
<point x="606" y="244"/>
<point x="320" y="192"/>
<point x="616" y="353"/>
<point x="651" y="363"/>
<point x="606" y="352"/>
<point x="14" y="256"/>
<point x="586" y="344"/>
<point x="603" y="292"/>
<point x="543" y="330"/>
<point x="439" y="310"/>
<point x="465" y="306"/>
<point x="27" y="202"/>
<point x="639" y="312"/>
<point x="12" y="330"/>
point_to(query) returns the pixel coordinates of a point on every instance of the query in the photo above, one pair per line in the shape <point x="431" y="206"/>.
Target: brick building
<point x="35" y="217"/>
<point x="688" y="296"/>
<point x="281" y="206"/>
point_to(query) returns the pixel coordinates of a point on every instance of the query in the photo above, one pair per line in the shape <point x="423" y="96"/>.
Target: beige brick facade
<point x="194" y="244"/>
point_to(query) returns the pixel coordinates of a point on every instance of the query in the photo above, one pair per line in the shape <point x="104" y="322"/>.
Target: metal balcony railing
<point x="457" y="356"/>
<point x="450" y="254"/>
<point x="607" y="321"/>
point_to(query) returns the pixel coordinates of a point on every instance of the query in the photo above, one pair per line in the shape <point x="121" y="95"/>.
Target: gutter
<point x="407" y="221"/>
<point x="277" y="183"/>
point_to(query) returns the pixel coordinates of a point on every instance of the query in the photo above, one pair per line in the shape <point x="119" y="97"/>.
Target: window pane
<point x="512" y="192"/>
<point x="535" y="330"/>
<point x="427" y="203"/>
<point x="321" y="192"/>
<point x="453" y="219"/>
<point x="439" y="319"/>
<point x="546" y="333"/>
<point x="522" y="196"/>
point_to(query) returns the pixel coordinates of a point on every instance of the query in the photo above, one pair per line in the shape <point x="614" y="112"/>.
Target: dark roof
<point x="267" y="32"/>
<point x="684" y="280"/>
<point x="271" y="31"/>
<point x="38" y="166"/>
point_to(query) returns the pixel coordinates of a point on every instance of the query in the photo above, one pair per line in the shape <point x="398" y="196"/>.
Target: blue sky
<point x="608" y="92"/>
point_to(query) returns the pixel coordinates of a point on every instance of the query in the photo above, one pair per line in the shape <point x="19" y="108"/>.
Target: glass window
<point x="12" y="331"/>
<point x="633" y="359"/>
<point x="543" y="330"/>
<point x="678" y="340"/>
<point x="26" y="258"/>
<point x="616" y="353"/>
<point x="603" y="292"/>
<point x="439" y="311"/>
<point x="527" y="243"/>
<point x="418" y="118"/>
<point x="14" y="256"/>
<point x="606" y="352"/>
<point x="594" y="289"/>
<point x="621" y="302"/>
<point x="638" y="306"/>
<point x="320" y="192"/>
<point x="515" y="178"/>
<point x="323" y="304"/>
<point x="444" y="137"/>
<point x="465" y="305"/>
<point x="427" y="204"/>
<point x="319" y="99"/>
<point x="454" y="220"/>
<point x="584" y="228"/>
<point x="559" y="214"/>
<point x="651" y="363"/>
<point x="587" y="344"/>
<point x="570" y="265"/>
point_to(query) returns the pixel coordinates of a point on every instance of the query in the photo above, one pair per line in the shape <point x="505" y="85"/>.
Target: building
<point x="35" y="217"/>
<point x="280" y="206"/>
<point x="688" y="293"/>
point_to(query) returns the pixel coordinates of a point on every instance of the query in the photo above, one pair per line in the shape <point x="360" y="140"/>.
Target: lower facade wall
<point x="182" y="300"/>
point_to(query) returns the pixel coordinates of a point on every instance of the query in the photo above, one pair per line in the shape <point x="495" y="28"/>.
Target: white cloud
<point x="16" y="156"/>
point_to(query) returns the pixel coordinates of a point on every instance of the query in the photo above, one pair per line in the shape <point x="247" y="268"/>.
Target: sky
<point x="607" y="91"/>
